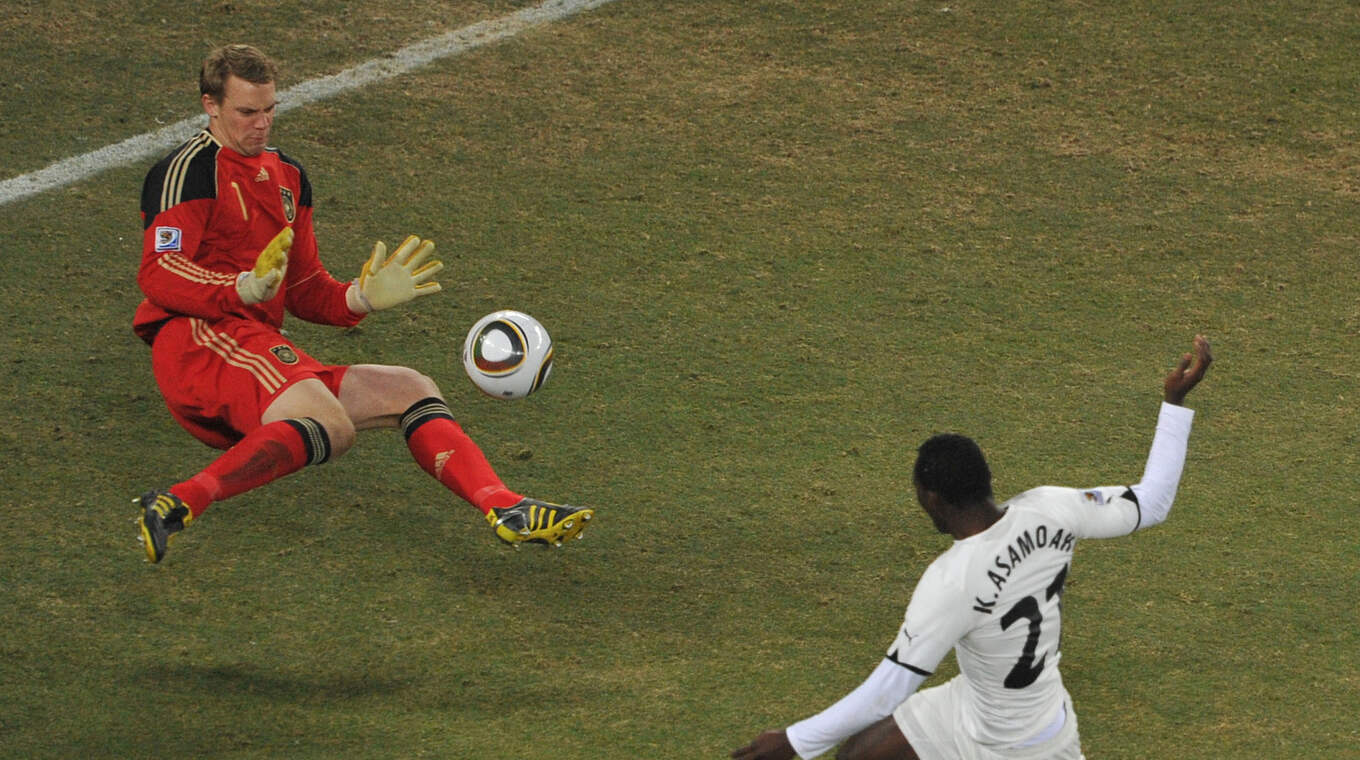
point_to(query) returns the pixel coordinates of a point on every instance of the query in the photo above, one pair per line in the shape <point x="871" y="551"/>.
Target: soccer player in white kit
<point x="995" y="598"/>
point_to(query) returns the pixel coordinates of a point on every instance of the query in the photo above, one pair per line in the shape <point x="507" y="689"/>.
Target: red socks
<point x="442" y="449"/>
<point x="271" y="451"/>
<point x="267" y="453"/>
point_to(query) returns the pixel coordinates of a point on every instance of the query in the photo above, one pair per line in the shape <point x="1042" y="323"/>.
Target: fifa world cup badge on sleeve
<point x="168" y="239"/>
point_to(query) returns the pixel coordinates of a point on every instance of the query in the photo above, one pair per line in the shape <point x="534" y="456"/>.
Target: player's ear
<point x="938" y="502"/>
<point x="210" y="106"/>
<point x="924" y="497"/>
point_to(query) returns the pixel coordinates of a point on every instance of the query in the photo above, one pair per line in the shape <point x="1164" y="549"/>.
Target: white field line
<point x="413" y="56"/>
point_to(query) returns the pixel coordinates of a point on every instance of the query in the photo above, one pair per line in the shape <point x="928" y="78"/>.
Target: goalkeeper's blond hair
<point x="245" y="61"/>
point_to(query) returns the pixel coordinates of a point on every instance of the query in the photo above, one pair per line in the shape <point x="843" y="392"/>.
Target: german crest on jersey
<point x="284" y="354"/>
<point x="289" y="206"/>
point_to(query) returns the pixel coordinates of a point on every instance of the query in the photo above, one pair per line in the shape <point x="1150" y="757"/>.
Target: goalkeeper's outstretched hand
<point x="387" y="281"/>
<point x="261" y="283"/>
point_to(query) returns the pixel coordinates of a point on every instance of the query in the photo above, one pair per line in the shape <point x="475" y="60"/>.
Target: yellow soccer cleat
<point x="163" y="515"/>
<point x="539" y="522"/>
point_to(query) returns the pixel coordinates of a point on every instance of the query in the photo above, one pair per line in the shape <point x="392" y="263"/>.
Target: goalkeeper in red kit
<point x="228" y="248"/>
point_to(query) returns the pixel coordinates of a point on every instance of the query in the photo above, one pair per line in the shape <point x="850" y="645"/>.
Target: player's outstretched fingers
<point x="409" y="246"/>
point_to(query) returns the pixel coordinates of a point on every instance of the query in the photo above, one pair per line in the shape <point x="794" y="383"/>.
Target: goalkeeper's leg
<point x="304" y="425"/>
<point x="381" y="396"/>
<point x="269" y="452"/>
<point x="241" y="387"/>
<point x="384" y="396"/>
<point x="442" y="449"/>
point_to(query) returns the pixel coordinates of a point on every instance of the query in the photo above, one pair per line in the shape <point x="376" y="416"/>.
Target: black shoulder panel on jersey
<point x="892" y="657"/>
<point x="306" y="199"/>
<point x="1133" y="497"/>
<point x="188" y="173"/>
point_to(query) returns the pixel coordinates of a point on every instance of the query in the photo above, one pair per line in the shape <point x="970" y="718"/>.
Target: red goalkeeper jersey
<point x="207" y="212"/>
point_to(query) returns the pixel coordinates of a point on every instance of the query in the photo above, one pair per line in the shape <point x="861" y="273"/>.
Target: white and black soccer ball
<point x="508" y="354"/>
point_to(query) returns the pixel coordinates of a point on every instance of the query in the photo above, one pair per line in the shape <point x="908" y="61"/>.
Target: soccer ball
<point x="508" y="354"/>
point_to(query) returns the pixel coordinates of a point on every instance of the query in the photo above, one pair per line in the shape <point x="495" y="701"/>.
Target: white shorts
<point x="930" y="721"/>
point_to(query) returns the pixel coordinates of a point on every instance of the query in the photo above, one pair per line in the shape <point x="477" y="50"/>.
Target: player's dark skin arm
<point x="882" y="740"/>
<point x="771" y="745"/>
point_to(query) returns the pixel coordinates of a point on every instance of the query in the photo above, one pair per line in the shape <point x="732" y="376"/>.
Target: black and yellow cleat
<point x="539" y="522"/>
<point x="163" y="515"/>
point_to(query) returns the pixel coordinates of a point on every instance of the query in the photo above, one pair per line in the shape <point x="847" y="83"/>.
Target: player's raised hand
<point x="262" y="282"/>
<point x="387" y="281"/>
<point x="1188" y="372"/>
<point x="771" y="745"/>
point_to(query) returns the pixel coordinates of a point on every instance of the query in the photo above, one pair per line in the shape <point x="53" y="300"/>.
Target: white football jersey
<point x="995" y="597"/>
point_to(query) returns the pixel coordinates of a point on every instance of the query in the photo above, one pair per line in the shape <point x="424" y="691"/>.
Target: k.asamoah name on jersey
<point x="1025" y="544"/>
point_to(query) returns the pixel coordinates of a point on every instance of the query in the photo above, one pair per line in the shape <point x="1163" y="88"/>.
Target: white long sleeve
<point x="887" y="687"/>
<point x="1166" y="459"/>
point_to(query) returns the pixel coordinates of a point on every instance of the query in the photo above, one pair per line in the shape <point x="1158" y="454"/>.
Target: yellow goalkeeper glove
<point x="261" y="283"/>
<point x="387" y="281"/>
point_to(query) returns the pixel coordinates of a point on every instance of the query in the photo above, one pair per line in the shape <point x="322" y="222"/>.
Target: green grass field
<point x="777" y="244"/>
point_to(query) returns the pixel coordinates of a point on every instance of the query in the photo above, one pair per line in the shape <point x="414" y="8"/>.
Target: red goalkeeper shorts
<point x="218" y="378"/>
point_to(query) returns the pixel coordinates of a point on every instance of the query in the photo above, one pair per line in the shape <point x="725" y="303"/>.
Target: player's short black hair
<point x="952" y="465"/>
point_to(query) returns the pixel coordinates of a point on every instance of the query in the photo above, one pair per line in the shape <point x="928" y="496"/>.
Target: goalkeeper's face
<point x="242" y="119"/>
